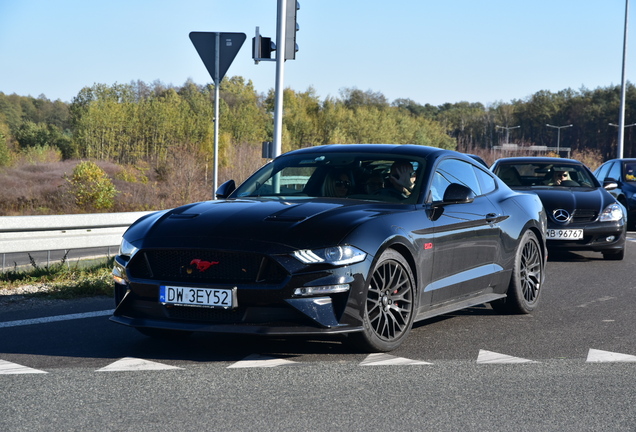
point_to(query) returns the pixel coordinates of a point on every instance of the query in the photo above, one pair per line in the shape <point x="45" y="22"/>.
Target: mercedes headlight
<point x="337" y="255"/>
<point x="612" y="213"/>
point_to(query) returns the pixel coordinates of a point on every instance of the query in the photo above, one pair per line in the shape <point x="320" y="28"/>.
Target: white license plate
<point x="206" y="297"/>
<point x="565" y="234"/>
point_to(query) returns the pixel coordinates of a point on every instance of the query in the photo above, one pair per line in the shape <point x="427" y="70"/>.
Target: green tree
<point x="91" y="187"/>
<point x="5" y="156"/>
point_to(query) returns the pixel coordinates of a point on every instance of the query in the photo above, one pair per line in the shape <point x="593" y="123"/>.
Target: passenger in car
<point x="337" y="184"/>
<point x="374" y="184"/>
<point x="401" y="180"/>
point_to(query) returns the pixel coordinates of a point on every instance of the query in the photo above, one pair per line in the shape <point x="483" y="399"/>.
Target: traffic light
<point x="262" y="48"/>
<point x="291" y="27"/>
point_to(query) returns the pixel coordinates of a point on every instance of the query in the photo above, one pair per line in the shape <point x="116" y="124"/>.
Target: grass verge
<point x="63" y="281"/>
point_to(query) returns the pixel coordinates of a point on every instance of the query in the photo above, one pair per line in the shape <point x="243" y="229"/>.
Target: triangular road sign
<point x="135" y="364"/>
<point x="8" y="368"/>
<point x="600" y="356"/>
<point x="217" y="50"/>
<point x="259" y="361"/>
<point x="382" y="359"/>
<point x="490" y="357"/>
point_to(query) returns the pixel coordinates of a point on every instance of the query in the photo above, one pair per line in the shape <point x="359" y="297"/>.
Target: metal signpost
<point x="217" y="50"/>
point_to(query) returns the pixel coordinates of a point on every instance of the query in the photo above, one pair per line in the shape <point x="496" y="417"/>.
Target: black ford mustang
<point x="361" y="240"/>
<point x="582" y="215"/>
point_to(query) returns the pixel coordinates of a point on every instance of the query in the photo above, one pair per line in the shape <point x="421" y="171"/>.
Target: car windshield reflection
<point x="544" y="175"/>
<point x="372" y="177"/>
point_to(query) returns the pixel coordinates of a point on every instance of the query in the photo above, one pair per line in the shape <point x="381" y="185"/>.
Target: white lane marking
<point x="56" y="318"/>
<point x="381" y="359"/>
<point x="600" y="356"/>
<point x="256" y="360"/>
<point x="135" y="364"/>
<point x="490" y="357"/>
<point x="600" y="299"/>
<point x="8" y="368"/>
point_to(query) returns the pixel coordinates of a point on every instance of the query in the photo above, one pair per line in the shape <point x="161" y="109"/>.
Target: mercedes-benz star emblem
<point x="561" y="215"/>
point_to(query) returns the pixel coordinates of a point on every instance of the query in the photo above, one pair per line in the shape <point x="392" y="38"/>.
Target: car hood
<point x="237" y="222"/>
<point x="573" y="198"/>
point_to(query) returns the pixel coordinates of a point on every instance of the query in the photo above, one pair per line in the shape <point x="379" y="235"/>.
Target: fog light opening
<point x="320" y="290"/>
<point x="119" y="280"/>
<point x="610" y="239"/>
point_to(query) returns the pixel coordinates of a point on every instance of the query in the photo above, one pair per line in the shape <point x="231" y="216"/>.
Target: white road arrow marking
<point x="489" y="357"/>
<point x="8" y="368"/>
<point x="600" y="356"/>
<point x="381" y="359"/>
<point x="257" y="360"/>
<point x="135" y="364"/>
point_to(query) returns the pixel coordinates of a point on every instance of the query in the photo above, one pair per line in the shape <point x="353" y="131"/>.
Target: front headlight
<point x="337" y="255"/>
<point x="126" y="248"/>
<point x="612" y="213"/>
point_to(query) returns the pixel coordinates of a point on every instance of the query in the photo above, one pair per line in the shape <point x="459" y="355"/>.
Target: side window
<point x="615" y="171"/>
<point x="630" y="172"/>
<point x="486" y="181"/>
<point x="453" y="171"/>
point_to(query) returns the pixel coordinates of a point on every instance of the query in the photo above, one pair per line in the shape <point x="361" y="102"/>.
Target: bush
<point x="91" y="187"/>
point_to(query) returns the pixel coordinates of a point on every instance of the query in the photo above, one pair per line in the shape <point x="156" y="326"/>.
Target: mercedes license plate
<point x="205" y="297"/>
<point x="565" y="234"/>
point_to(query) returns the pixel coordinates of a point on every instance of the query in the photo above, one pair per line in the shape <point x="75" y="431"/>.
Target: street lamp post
<point x="558" y="128"/>
<point x="621" y="114"/>
<point x="621" y="136"/>
<point x="507" y="128"/>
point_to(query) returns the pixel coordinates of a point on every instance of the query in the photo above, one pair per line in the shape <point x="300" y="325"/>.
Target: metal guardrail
<point x="63" y="232"/>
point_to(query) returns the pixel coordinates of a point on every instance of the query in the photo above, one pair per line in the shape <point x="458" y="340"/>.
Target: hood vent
<point x="285" y="218"/>
<point x="183" y="215"/>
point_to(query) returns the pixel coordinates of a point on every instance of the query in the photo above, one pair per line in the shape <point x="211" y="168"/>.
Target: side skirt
<point x="455" y="306"/>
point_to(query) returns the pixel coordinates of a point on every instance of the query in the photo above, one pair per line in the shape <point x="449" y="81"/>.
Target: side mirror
<point x="457" y="194"/>
<point x="610" y="184"/>
<point x="225" y="189"/>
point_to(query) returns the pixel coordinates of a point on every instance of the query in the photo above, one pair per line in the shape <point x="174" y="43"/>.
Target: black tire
<point x="614" y="255"/>
<point x="527" y="277"/>
<point x="156" y="333"/>
<point x="389" y="307"/>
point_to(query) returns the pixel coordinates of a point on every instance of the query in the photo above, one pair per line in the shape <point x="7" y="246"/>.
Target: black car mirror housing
<point x="225" y="189"/>
<point x="458" y="194"/>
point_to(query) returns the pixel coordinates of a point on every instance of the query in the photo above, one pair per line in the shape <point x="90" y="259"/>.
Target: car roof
<point x="621" y="160"/>
<point x="537" y="159"/>
<point x="396" y="149"/>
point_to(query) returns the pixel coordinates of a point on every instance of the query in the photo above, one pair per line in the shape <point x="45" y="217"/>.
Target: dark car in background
<point x="622" y="172"/>
<point x="355" y="240"/>
<point x="582" y="214"/>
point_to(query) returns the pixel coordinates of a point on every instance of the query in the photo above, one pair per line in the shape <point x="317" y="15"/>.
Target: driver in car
<point x="558" y="177"/>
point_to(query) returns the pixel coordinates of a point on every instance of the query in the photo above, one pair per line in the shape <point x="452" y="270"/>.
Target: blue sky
<point x="431" y="51"/>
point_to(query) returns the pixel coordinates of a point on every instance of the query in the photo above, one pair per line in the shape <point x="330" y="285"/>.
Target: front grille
<point x="205" y="266"/>
<point x="584" y="215"/>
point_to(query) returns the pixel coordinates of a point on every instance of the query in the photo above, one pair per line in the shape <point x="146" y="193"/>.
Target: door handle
<point x="491" y="217"/>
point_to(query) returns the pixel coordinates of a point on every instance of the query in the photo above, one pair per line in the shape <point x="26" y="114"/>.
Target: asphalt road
<point x="571" y="366"/>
